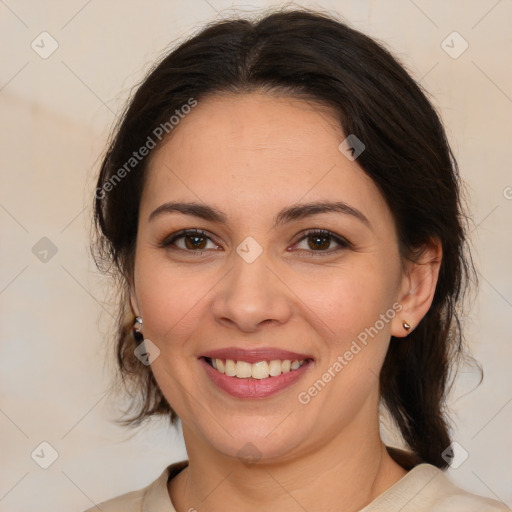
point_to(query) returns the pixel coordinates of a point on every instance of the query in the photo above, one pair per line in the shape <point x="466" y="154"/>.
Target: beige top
<point x="425" y="488"/>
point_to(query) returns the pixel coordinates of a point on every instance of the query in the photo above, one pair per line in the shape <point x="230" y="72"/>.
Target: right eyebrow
<point x="203" y="211"/>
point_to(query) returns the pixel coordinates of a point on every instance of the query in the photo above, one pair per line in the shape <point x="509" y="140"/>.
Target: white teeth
<point x="243" y="370"/>
<point x="259" y="370"/>
<point x="275" y="368"/>
<point x="229" y="368"/>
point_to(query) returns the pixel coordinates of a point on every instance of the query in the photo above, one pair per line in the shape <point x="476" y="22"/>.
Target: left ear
<point x="418" y="287"/>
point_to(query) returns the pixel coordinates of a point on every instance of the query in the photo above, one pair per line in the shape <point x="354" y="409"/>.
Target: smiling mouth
<point x="259" y="370"/>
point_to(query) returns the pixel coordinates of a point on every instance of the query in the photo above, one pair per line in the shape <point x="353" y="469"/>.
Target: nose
<point x="251" y="295"/>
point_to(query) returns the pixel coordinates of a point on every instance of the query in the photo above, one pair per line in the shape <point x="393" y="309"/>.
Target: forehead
<point x="255" y="152"/>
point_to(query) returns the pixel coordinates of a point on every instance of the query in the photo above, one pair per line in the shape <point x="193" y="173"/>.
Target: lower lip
<point x="254" y="388"/>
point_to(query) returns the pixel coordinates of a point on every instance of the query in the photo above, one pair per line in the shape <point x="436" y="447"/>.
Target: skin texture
<point x="249" y="156"/>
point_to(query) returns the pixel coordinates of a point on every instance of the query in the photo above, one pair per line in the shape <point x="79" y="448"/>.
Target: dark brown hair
<point x="310" y="55"/>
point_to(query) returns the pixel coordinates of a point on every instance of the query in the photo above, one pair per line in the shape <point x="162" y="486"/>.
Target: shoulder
<point x="440" y="494"/>
<point x="152" y="498"/>
<point x="426" y="488"/>
<point x="451" y="497"/>
<point x="129" y="502"/>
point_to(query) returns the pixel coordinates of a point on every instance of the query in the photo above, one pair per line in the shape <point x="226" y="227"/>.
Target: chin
<point x="252" y="446"/>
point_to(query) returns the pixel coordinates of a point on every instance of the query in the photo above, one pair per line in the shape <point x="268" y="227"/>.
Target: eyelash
<point x="342" y="242"/>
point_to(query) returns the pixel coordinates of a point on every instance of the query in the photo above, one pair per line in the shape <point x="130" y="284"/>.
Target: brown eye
<point x="320" y="241"/>
<point x="189" y="241"/>
<point x="194" y="241"/>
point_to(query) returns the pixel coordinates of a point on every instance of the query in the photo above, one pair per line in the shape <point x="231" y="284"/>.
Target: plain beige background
<point x="57" y="111"/>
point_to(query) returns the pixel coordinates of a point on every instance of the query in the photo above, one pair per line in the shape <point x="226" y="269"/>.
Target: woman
<point x="283" y="210"/>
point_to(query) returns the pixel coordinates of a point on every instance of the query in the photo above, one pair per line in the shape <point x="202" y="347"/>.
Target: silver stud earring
<point x="137" y="329"/>
<point x="407" y="327"/>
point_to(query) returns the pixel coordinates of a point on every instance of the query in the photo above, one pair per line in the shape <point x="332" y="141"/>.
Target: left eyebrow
<point x="288" y="214"/>
<point x="300" y="211"/>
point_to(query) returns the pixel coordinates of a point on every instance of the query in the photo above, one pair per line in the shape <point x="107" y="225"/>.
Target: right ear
<point x="133" y="298"/>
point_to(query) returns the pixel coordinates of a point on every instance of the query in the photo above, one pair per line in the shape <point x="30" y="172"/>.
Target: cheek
<point x="171" y="300"/>
<point x="348" y="299"/>
<point x="172" y="305"/>
<point x="354" y="309"/>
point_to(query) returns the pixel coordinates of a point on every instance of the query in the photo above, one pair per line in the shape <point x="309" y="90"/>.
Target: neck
<point x="345" y="474"/>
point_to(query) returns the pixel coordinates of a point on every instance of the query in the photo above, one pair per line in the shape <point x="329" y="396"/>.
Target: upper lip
<point x="254" y="355"/>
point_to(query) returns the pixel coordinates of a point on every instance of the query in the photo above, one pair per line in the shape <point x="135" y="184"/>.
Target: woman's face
<point x="261" y="279"/>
